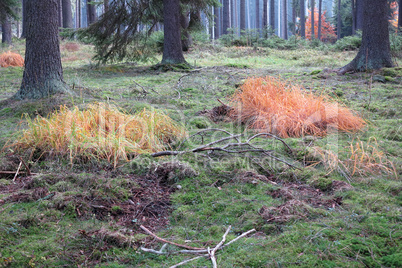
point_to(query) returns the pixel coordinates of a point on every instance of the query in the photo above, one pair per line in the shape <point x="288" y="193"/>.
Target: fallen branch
<point x="166" y="241"/>
<point x="18" y="170"/>
<point x="206" y="252"/>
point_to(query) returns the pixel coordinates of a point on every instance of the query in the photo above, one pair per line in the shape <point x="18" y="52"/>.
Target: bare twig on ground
<point x="18" y="170"/>
<point x="206" y="252"/>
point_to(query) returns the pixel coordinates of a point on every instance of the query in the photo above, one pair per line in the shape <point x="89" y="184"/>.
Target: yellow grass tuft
<point x="11" y="59"/>
<point x="100" y="132"/>
<point x="272" y="105"/>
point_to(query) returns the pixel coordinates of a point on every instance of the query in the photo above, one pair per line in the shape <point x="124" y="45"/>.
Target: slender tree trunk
<point x="284" y="20"/>
<point x="400" y="15"/>
<point x="242" y="16"/>
<point x="67" y="14"/>
<point x="91" y="12"/>
<point x="226" y="17"/>
<point x="24" y="17"/>
<point x="293" y="18"/>
<point x="60" y="11"/>
<point x="172" y="49"/>
<point x="265" y="17"/>
<point x="186" y="40"/>
<point x="78" y="13"/>
<point x="312" y="20"/>
<point x="353" y="3"/>
<point x="43" y="73"/>
<point x="302" y="20"/>
<point x="339" y="22"/>
<point x="359" y="14"/>
<point x="375" y="50"/>
<point x="257" y="16"/>
<point x="272" y="14"/>
<point x="6" y="31"/>
<point x="319" y="19"/>
<point x="216" y="22"/>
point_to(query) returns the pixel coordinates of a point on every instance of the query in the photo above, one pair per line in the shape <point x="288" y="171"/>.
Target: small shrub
<point x="271" y="105"/>
<point x="11" y="59"/>
<point x="352" y="42"/>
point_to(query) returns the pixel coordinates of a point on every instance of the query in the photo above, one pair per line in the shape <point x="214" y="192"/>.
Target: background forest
<point x="201" y="133"/>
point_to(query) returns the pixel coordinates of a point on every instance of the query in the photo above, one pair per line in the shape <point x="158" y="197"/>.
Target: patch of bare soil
<point x="301" y="200"/>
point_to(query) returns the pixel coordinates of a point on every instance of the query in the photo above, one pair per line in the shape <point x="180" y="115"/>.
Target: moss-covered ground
<point x="333" y="212"/>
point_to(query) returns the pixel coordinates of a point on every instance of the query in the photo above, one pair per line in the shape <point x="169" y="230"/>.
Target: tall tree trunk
<point x="312" y="20"/>
<point x="43" y="73"/>
<point x="265" y="17"/>
<point x="78" y="13"/>
<point x="91" y="12"/>
<point x="339" y="22"/>
<point x="6" y="30"/>
<point x="302" y="19"/>
<point x="284" y="20"/>
<point x="400" y="15"/>
<point x="186" y="40"/>
<point x="216" y="22"/>
<point x="60" y="11"/>
<point x="293" y="18"/>
<point x="375" y="50"/>
<point x="172" y="50"/>
<point x="242" y="16"/>
<point x="319" y="19"/>
<point x="359" y="14"/>
<point x="67" y="14"/>
<point x="272" y="14"/>
<point x="353" y="3"/>
<point x="257" y="15"/>
<point x="226" y="16"/>
<point x="24" y="17"/>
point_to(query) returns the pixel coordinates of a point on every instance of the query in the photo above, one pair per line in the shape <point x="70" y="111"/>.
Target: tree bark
<point x="319" y="19"/>
<point x="272" y="14"/>
<point x="265" y="17"/>
<point x="24" y="18"/>
<point x="67" y="14"/>
<point x="172" y="50"/>
<point x="43" y="73"/>
<point x="400" y="15"/>
<point x="359" y="14"/>
<point x="312" y="20"/>
<point x="78" y="14"/>
<point x="375" y="50"/>
<point x="284" y="20"/>
<point x="302" y="20"/>
<point x="339" y="22"/>
<point x="105" y="5"/>
<point x="242" y="16"/>
<point x="91" y="12"/>
<point x="257" y="15"/>
<point x="216" y="22"/>
<point x="6" y="30"/>
<point x="226" y="16"/>
<point x="186" y="40"/>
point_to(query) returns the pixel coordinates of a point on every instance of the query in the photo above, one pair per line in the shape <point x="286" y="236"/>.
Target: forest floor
<point x="321" y="214"/>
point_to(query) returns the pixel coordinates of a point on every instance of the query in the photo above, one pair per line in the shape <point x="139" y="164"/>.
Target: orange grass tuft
<point x="11" y="59"/>
<point x="272" y="105"/>
<point x="366" y="158"/>
<point x="100" y="132"/>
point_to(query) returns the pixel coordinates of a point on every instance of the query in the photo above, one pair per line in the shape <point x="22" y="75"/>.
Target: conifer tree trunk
<point x="91" y="12"/>
<point x="302" y="20"/>
<point x="242" y="15"/>
<point x="359" y="14"/>
<point x="24" y="17"/>
<point x="43" y="73"/>
<point x="284" y="20"/>
<point x="375" y="50"/>
<point x="6" y="30"/>
<point x="67" y="14"/>
<point x="172" y="49"/>
<point x="265" y="16"/>
<point x="339" y="22"/>
<point x="257" y="15"/>
<point x="319" y="19"/>
<point x="216" y="22"/>
<point x="400" y="15"/>
<point x="226" y="16"/>
<point x="312" y="20"/>
<point x="272" y="14"/>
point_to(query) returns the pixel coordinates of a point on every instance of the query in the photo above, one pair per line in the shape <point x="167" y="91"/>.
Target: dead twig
<point x="166" y="241"/>
<point x="212" y="254"/>
<point x="18" y="170"/>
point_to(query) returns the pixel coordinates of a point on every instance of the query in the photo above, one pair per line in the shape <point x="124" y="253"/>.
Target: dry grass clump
<point x="272" y="105"/>
<point x="11" y="59"/>
<point x="71" y="46"/>
<point x="100" y="132"/>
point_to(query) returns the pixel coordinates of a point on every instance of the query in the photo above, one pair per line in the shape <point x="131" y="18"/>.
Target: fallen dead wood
<point x="207" y="252"/>
<point x="237" y="147"/>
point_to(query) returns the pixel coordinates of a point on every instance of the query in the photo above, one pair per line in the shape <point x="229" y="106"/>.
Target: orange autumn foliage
<point x="273" y="105"/>
<point x="11" y="59"/>
<point x="327" y="30"/>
